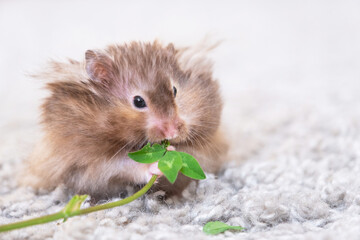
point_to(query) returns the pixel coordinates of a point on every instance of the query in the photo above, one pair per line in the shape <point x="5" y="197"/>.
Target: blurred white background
<point x="272" y="45"/>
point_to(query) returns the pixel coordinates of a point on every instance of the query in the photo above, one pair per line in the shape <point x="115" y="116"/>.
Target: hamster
<point x="114" y="102"/>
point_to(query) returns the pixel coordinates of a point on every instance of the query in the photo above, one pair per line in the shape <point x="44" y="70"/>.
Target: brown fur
<point x="90" y="123"/>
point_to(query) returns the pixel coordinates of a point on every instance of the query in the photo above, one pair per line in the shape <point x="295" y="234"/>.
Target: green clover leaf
<point x="170" y="164"/>
<point x="148" y="154"/>
<point x="219" y="227"/>
<point x="190" y="167"/>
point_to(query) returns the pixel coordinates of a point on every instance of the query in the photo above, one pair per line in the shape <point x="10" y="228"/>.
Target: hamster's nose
<point x="170" y="131"/>
<point x="165" y="128"/>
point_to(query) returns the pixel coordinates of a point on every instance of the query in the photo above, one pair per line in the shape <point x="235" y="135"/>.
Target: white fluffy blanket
<point x="292" y="113"/>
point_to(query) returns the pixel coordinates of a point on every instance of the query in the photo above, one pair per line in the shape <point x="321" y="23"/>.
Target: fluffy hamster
<point x="115" y="102"/>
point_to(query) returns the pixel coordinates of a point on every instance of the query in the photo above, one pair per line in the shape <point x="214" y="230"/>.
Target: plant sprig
<point x="170" y="162"/>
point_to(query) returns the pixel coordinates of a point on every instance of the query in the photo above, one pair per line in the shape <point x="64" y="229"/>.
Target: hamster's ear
<point x="99" y="66"/>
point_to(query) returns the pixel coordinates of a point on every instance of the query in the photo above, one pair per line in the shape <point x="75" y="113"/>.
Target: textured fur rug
<point x="294" y="127"/>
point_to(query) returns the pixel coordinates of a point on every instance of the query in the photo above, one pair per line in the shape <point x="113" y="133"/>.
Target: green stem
<point x="120" y="202"/>
<point x="31" y="222"/>
<point x="61" y="214"/>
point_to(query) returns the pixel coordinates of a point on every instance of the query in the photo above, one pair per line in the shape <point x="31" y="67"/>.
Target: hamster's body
<point x="115" y="102"/>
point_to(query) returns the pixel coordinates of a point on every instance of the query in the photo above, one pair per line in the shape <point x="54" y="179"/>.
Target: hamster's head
<point x="150" y="97"/>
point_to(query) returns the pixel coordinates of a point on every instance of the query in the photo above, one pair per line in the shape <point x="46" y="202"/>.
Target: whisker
<point x="118" y="151"/>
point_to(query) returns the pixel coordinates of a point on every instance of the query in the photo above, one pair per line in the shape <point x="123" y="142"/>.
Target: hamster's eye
<point x="139" y="102"/>
<point x="175" y="91"/>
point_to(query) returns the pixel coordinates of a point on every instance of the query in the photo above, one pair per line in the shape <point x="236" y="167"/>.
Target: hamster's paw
<point x="171" y="148"/>
<point x="154" y="170"/>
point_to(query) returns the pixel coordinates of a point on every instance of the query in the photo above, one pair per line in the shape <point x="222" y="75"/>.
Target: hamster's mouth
<point x="137" y="148"/>
<point x="143" y="145"/>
